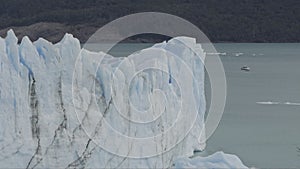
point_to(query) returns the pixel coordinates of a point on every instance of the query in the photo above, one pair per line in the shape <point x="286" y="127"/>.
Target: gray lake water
<point x="262" y="135"/>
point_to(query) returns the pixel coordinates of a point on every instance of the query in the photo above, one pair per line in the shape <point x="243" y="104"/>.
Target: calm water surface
<point x="264" y="136"/>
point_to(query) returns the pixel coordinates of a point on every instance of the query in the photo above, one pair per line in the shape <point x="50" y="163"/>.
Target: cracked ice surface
<point x="54" y="114"/>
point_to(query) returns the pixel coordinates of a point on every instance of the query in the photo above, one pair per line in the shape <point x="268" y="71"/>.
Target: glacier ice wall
<point x="62" y="108"/>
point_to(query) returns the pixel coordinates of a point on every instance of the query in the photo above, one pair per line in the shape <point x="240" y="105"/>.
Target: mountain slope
<point x="231" y="20"/>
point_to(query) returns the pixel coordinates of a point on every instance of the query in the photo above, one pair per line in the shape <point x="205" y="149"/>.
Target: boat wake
<point x="268" y="103"/>
<point x="293" y="104"/>
<point x="278" y="103"/>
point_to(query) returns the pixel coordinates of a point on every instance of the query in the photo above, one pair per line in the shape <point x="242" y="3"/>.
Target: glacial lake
<point x="261" y="122"/>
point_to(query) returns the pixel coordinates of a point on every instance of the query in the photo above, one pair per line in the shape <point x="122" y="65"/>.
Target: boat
<point x="245" y="68"/>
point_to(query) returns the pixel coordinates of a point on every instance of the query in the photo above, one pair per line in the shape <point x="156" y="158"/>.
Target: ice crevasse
<point x="62" y="106"/>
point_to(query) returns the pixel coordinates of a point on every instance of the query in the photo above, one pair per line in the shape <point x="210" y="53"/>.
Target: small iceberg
<point x="238" y="54"/>
<point x="216" y="160"/>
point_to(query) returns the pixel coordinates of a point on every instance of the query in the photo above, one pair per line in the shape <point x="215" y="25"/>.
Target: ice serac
<point x="65" y="107"/>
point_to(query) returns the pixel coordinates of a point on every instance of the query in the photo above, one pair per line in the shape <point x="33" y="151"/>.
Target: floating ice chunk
<point x="238" y="54"/>
<point x="217" y="160"/>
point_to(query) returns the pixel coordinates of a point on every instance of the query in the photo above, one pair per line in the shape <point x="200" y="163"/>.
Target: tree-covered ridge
<point x="221" y="20"/>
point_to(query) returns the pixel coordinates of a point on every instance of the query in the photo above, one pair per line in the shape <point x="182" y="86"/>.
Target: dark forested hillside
<point x="220" y="20"/>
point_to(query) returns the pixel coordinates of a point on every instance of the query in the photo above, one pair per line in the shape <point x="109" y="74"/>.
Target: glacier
<point x="62" y="106"/>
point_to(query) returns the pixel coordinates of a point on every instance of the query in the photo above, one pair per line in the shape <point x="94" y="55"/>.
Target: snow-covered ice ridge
<point x="53" y="114"/>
